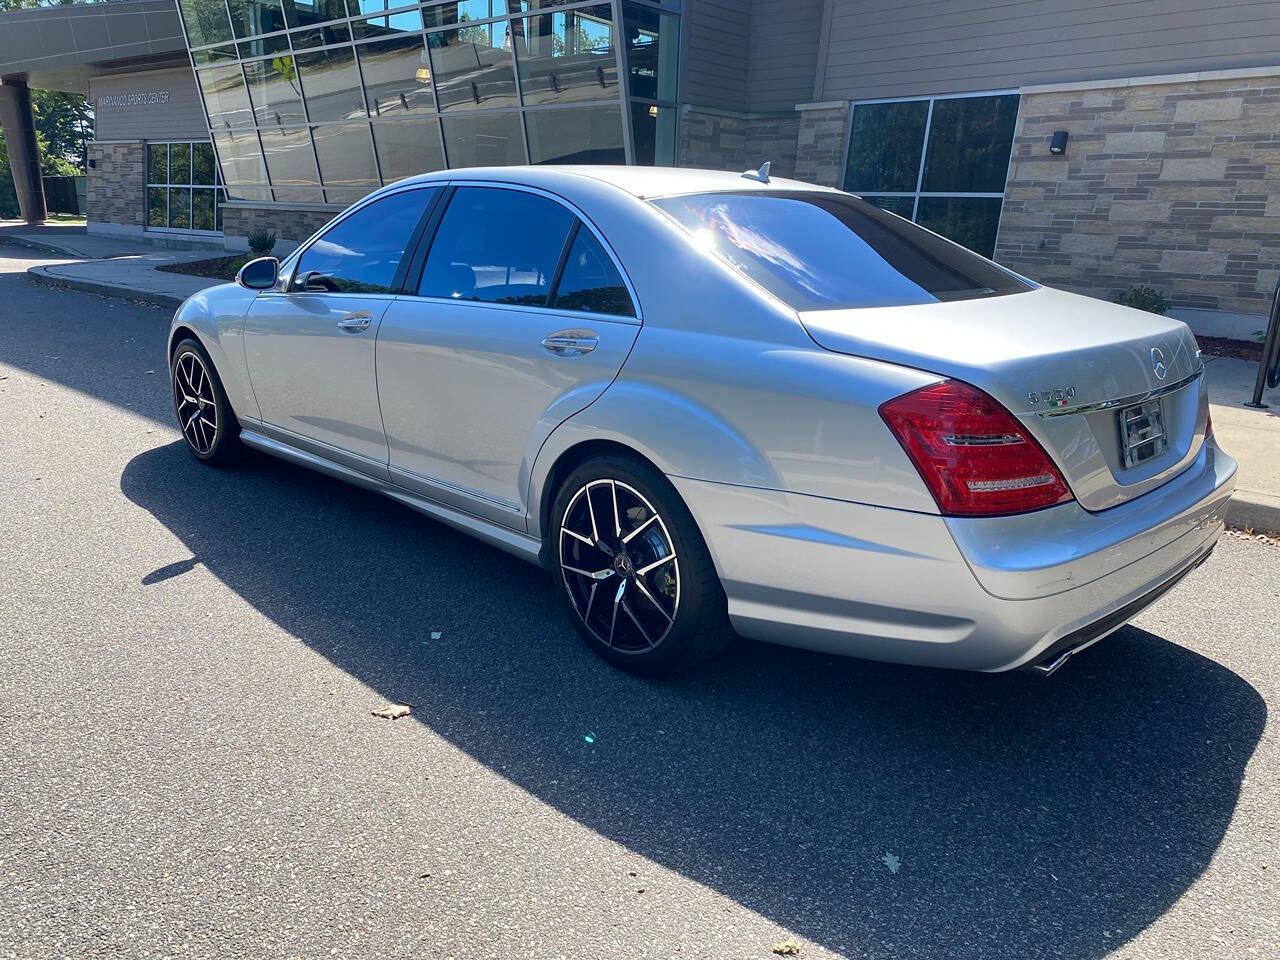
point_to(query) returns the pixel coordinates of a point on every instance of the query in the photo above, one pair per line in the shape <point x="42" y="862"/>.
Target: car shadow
<point x="1024" y="817"/>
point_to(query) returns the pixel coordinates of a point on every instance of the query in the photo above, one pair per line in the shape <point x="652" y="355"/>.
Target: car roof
<point x="639" y="181"/>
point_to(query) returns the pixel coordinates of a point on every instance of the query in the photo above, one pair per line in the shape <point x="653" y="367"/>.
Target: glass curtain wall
<point x="323" y="101"/>
<point x="941" y="162"/>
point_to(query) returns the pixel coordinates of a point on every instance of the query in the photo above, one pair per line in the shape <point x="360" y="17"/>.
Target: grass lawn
<point x="218" y="268"/>
<point x="67" y="219"/>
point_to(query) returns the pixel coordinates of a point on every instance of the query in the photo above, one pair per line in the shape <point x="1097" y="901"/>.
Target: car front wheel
<point x="637" y="575"/>
<point x="204" y="415"/>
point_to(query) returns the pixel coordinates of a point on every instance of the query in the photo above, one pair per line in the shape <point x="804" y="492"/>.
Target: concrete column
<point x="19" y="126"/>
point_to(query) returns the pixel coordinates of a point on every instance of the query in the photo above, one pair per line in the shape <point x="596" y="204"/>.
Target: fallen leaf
<point x="787" y="948"/>
<point x="892" y="862"/>
<point x="392" y="711"/>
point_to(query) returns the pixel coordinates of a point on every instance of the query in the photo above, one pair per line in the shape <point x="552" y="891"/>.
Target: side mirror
<point x="260" y="274"/>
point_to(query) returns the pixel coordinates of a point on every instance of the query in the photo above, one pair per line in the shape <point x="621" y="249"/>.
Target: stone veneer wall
<point x="719" y="140"/>
<point x="116" y="185"/>
<point x="1175" y="185"/>
<point x="290" y="224"/>
<point x="820" y="142"/>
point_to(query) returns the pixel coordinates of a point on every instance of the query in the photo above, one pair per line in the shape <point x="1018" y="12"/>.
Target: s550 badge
<point x="1053" y="398"/>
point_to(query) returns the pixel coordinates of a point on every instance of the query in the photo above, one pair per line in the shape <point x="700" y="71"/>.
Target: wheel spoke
<point x="628" y="538"/>
<point x="639" y="626"/>
<point x="604" y="574"/>
<point x="617" y="601"/>
<point x="586" y="614"/>
<point x="653" y="600"/>
<point x="657" y="563"/>
<point x="577" y="536"/>
<point x="617" y="518"/>
<point x="595" y="533"/>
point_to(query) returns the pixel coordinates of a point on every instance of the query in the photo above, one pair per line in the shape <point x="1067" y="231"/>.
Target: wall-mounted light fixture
<point x="1058" y="145"/>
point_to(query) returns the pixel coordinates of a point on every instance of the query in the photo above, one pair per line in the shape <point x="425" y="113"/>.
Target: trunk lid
<point x="1082" y="375"/>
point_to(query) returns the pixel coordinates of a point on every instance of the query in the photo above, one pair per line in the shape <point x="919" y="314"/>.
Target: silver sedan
<point x="715" y="403"/>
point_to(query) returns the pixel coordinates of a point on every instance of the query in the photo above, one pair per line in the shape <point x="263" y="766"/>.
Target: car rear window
<point x="827" y="251"/>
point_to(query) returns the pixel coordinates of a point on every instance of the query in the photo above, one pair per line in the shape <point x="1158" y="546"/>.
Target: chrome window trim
<point x="1122" y="401"/>
<point x="636" y="320"/>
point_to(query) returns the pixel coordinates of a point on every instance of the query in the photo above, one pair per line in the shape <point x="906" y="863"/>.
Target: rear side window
<point x="497" y="246"/>
<point x="825" y="251"/>
<point x="590" y="281"/>
<point x="362" y="253"/>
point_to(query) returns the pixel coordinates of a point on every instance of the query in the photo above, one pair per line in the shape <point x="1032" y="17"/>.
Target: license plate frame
<point x="1142" y="433"/>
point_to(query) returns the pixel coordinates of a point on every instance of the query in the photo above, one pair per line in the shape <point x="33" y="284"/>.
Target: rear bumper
<point x="991" y="594"/>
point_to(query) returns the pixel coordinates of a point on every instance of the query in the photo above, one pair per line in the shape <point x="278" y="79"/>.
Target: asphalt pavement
<point x="189" y="765"/>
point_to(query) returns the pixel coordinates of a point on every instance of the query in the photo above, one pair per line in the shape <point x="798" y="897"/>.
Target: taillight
<point x="972" y="453"/>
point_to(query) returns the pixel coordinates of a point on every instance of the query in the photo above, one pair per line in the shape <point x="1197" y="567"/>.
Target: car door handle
<point x="356" y="321"/>
<point x="570" y="343"/>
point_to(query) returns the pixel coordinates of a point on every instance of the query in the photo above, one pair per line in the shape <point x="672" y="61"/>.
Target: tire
<point x="644" y="595"/>
<point x="208" y="424"/>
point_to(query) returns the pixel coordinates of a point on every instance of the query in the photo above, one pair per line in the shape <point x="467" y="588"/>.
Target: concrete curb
<point x="1259" y="512"/>
<point x="46" y="246"/>
<point x="121" y="291"/>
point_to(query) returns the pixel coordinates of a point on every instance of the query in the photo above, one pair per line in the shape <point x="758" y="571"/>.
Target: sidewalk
<point x="118" y="268"/>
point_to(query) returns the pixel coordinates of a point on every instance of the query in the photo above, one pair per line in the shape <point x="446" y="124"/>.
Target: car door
<point x="310" y="345"/>
<point x="520" y="319"/>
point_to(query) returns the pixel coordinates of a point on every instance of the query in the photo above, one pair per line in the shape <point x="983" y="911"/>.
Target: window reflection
<point x="243" y="171"/>
<point x="470" y="71"/>
<point x="397" y="76"/>
<point x="582" y="135"/>
<point x="407" y="21"/>
<point x="969" y="143"/>
<point x="464" y="11"/>
<point x="303" y="13"/>
<point x="330" y="84"/>
<point x="653" y="48"/>
<point x="654" y="134"/>
<point x="249" y="18"/>
<point x="483" y="140"/>
<point x="566" y="56"/>
<point x="225" y="96"/>
<point x="291" y="164"/>
<point x="274" y="90"/>
<point x="345" y="153"/>
<point x="406" y="148"/>
<point x="206" y="21"/>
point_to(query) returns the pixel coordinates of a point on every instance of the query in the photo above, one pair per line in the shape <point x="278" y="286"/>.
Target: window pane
<point x="654" y="131"/>
<point x="969" y="221"/>
<point x="885" y="146"/>
<point x="902" y="206"/>
<point x="319" y="36"/>
<point x="397" y="76"/>
<point x="202" y="216"/>
<point x="345" y="153"/>
<point x="179" y="163"/>
<point x="817" y="251"/>
<point x="330" y="84"/>
<point x="460" y="11"/>
<point x="361" y="253"/>
<point x="409" y="21"/>
<point x="206" y="21"/>
<point x="252" y="17"/>
<point x="499" y="246"/>
<point x="243" y="171"/>
<point x="579" y="135"/>
<point x="273" y="88"/>
<point x="407" y="148"/>
<point x="653" y="48"/>
<point x="290" y="163"/>
<point x="157" y="207"/>
<point x="471" y="69"/>
<point x="202" y="163"/>
<point x="566" y="56"/>
<point x="302" y="13"/>
<point x="225" y="97"/>
<point x="487" y="140"/>
<point x="157" y="163"/>
<point x="214" y="55"/>
<point x="180" y="208"/>
<point x="263" y="46"/>
<point x="591" y="281"/>
<point x="969" y="143"/>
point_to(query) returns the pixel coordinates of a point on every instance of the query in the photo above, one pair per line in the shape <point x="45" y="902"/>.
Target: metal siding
<point x="881" y="48"/>
<point x="180" y="117"/>
<point x="783" y="53"/>
<point x="717" y="39"/>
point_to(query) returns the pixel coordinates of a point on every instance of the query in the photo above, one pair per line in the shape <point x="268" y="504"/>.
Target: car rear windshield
<point x="827" y="251"/>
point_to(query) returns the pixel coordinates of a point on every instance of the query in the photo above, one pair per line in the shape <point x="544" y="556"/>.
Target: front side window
<point x="824" y="251"/>
<point x="362" y="253"/>
<point x="941" y="162"/>
<point x="497" y="246"/>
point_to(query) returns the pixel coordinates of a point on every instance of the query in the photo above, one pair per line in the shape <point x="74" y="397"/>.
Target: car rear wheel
<point x="205" y="417"/>
<point x="638" y="578"/>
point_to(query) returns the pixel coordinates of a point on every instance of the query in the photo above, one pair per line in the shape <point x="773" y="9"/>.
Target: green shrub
<point x="1143" y="298"/>
<point x="262" y="242"/>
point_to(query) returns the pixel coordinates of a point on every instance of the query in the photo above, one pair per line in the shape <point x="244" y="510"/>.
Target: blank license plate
<point x="1142" y="432"/>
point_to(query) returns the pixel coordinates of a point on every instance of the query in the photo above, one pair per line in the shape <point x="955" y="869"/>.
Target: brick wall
<point x="291" y="226"/>
<point x="116" y="184"/>
<point x="1176" y="186"/>
<point x="820" y="143"/>
<point x="724" y="141"/>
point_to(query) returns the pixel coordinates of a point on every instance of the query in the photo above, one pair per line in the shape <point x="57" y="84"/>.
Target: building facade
<point x="1089" y="145"/>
